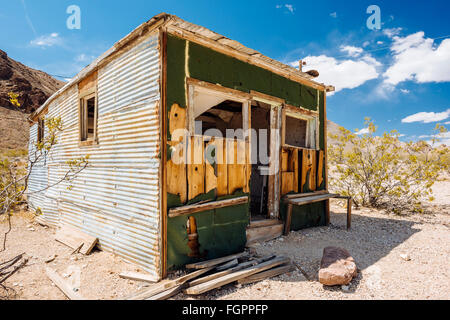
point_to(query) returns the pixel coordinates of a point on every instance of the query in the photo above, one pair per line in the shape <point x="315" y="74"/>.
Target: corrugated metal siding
<point x="117" y="197"/>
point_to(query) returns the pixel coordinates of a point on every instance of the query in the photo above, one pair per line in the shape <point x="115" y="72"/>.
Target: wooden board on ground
<point x="241" y="266"/>
<point x="264" y="233"/>
<point x="63" y="285"/>
<point x="165" y="285"/>
<point x="267" y="274"/>
<point x="228" y="265"/>
<point x="216" y="283"/>
<point x="138" y="277"/>
<point x="214" y="262"/>
<point x="75" y="238"/>
<point x="166" y="294"/>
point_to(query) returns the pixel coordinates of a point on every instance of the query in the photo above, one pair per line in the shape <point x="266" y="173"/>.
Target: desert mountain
<point x="33" y="87"/>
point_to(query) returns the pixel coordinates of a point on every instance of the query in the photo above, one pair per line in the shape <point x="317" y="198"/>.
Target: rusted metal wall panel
<point x="117" y="197"/>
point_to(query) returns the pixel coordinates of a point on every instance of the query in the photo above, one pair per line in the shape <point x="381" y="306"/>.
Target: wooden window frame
<point x="40" y="129"/>
<point x="82" y="100"/>
<point x="194" y="85"/>
<point x="309" y="117"/>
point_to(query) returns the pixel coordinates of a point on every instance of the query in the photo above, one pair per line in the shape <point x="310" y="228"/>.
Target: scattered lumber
<point x="138" y="277"/>
<point x="216" y="283"/>
<point x="267" y="274"/>
<point x="75" y="239"/>
<point x="65" y="287"/>
<point x="41" y="221"/>
<point x="237" y="268"/>
<point x="165" y="285"/>
<point x="215" y="262"/>
<point x="167" y="294"/>
<point x="228" y="265"/>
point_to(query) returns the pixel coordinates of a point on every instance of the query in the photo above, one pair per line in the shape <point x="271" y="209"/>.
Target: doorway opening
<point x="260" y="151"/>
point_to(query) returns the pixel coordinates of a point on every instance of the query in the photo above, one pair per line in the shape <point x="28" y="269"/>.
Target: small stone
<point x="345" y="288"/>
<point x="405" y="256"/>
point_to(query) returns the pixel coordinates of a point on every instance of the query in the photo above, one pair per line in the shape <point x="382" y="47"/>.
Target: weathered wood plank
<point x="75" y="238"/>
<point x="222" y="168"/>
<point x="177" y="121"/>
<point x="196" y="167"/>
<point x="193" y="208"/>
<point x="210" y="176"/>
<point x="236" y="165"/>
<point x="215" y="262"/>
<point x="240" y="266"/>
<point x="320" y="168"/>
<point x="287" y="182"/>
<point x="312" y="199"/>
<point x="307" y="194"/>
<point x="176" y="170"/>
<point x="228" y="265"/>
<point x="138" y="277"/>
<point x="165" y="285"/>
<point x="216" y="283"/>
<point x="264" y="233"/>
<point x="267" y="274"/>
<point x="166" y="294"/>
<point x="65" y="287"/>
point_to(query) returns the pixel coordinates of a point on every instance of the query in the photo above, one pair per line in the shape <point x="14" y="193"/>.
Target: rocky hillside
<point x="33" y="87"/>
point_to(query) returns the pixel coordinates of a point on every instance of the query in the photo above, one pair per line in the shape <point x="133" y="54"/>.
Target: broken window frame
<point x="84" y="139"/>
<point x="312" y="128"/>
<point x="195" y="86"/>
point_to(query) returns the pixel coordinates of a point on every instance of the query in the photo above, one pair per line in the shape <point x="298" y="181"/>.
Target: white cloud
<point x="84" y="58"/>
<point x="343" y="74"/>
<point x="392" y="32"/>
<point x="427" y="117"/>
<point x="418" y="59"/>
<point x="333" y="14"/>
<point x="405" y="91"/>
<point x="380" y="42"/>
<point x="47" y="40"/>
<point x="352" y="51"/>
<point x="289" y="7"/>
<point x="448" y="122"/>
<point x="362" y="131"/>
<point x="365" y="44"/>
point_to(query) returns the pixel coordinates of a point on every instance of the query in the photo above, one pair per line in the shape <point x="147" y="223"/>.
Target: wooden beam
<point x="241" y="266"/>
<point x="165" y="285"/>
<point x="267" y="274"/>
<point x="302" y="195"/>
<point x="65" y="287"/>
<point x="75" y="238"/>
<point x="311" y="199"/>
<point x="194" y="208"/>
<point x="138" y="277"/>
<point x="215" y="262"/>
<point x="287" y="224"/>
<point x="216" y="283"/>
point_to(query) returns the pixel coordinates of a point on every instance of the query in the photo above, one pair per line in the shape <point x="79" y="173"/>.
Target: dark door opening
<point x="260" y="150"/>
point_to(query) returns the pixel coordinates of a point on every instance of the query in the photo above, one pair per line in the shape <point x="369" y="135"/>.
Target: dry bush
<point x="383" y="172"/>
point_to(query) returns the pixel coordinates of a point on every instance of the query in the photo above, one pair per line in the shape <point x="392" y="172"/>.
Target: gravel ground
<point x="376" y="241"/>
<point x="99" y="271"/>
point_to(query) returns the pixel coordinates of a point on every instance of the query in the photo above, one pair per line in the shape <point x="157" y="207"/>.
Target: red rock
<point x="337" y="267"/>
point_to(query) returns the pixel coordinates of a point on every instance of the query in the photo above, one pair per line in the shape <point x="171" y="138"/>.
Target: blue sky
<point x="398" y="75"/>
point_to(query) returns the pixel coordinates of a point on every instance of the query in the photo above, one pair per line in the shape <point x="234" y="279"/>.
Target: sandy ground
<point x="376" y="242"/>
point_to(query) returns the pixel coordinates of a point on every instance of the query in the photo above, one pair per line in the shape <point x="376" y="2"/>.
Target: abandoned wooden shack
<point x="126" y="111"/>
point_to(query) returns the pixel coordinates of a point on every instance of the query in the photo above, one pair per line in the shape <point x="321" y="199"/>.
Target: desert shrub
<point x="383" y="172"/>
